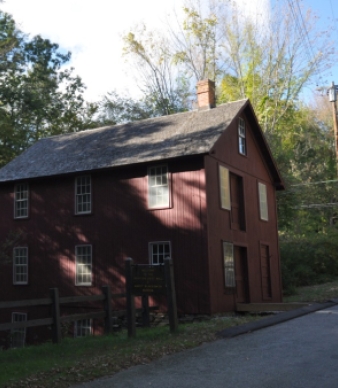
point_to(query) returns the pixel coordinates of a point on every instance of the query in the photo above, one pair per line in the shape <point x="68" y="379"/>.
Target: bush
<point x="309" y="259"/>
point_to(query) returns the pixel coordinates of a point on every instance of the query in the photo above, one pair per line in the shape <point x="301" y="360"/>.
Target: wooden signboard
<point x="148" y="280"/>
<point x="145" y="280"/>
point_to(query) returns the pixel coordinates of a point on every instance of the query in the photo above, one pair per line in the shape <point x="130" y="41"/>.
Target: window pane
<point x="159" y="251"/>
<point x="18" y="336"/>
<point x="229" y="265"/>
<point x="83" y="328"/>
<point x="83" y="194"/>
<point x="241" y="137"/>
<point x="20" y="265"/>
<point x="83" y="265"/>
<point x="158" y="187"/>
<point x="21" y="201"/>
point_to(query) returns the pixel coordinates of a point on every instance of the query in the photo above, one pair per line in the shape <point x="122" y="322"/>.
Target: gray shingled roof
<point x="188" y="133"/>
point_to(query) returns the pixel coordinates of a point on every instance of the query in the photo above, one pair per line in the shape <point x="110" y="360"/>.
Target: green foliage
<point x="116" y="109"/>
<point x="196" y="47"/>
<point x="317" y="293"/>
<point x="165" y="90"/>
<point x="38" y="97"/>
<point x="308" y="259"/>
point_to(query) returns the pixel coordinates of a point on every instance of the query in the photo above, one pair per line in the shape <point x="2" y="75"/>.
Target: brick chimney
<point x="206" y="94"/>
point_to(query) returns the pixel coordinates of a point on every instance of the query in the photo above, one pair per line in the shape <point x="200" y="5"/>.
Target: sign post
<point x="144" y="280"/>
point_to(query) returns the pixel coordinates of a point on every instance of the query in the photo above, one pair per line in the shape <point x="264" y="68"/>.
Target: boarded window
<point x="229" y="265"/>
<point x="83" y="196"/>
<point x="224" y="187"/>
<point x="158" y="187"/>
<point x="20" y="265"/>
<point x="83" y="265"/>
<point x="263" y="202"/>
<point x="21" y="200"/>
<point x="158" y="251"/>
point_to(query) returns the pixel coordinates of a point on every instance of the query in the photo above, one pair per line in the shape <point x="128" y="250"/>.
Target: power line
<point x="315" y="183"/>
<point x="302" y="30"/>
<point x="333" y="17"/>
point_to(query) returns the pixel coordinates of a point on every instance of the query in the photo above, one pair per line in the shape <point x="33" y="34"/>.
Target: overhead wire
<point x="300" y="23"/>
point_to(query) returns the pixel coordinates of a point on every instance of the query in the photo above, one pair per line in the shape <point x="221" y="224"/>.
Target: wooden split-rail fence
<point x="56" y="319"/>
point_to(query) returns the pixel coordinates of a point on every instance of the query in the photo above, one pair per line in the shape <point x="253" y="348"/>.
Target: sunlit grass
<point x="317" y="293"/>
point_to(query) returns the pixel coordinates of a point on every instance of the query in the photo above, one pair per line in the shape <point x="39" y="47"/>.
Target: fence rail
<point x="55" y="301"/>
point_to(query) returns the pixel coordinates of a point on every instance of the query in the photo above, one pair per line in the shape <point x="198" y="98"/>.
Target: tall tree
<point x="166" y="88"/>
<point x="271" y="63"/>
<point x="38" y="97"/>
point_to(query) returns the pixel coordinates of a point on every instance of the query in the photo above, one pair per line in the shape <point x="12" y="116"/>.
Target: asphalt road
<point x="302" y="352"/>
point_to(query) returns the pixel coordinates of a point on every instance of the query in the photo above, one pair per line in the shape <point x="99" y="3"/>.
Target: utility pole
<point x="332" y="92"/>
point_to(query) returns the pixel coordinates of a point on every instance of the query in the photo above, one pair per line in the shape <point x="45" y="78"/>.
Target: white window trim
<point x="77" y="196"/>
<point x="150" y="250"/>
<point x="88" y="325"/>
<point x="224" y="187"/>
<point x="16" y="201"/>
<point x="263" y="201"/>
<point x="15" y="266"/>
<point x="21" y="331"/>
<point x="229" y="281"/>
<point x="241" y="125"/>
<point x="79" y="283"/>
<point x="162" y="205"/>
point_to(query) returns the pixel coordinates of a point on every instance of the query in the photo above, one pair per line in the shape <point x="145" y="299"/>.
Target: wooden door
<point x="265" y="271"/>
<point x="241" y="275"/>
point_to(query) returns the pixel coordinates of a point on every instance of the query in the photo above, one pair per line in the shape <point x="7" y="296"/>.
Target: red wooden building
<point x="197" y="186"/>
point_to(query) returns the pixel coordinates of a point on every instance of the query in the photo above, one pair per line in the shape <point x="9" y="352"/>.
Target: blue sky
<point x="92" y="31"/>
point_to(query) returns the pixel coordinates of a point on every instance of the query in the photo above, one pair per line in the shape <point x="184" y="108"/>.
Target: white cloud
<point x="92" y="31"/>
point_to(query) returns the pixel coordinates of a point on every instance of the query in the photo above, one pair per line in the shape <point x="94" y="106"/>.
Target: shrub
<point x="309" y="259"/>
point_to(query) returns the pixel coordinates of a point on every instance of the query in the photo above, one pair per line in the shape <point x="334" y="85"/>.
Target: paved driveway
<point x="302" y="352"/>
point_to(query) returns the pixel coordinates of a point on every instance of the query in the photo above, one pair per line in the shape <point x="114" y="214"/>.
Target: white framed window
<point x="224" y="185"/>
<point x="82" y="328"/>
<point x="21" y="200"/>
<point x="83" y="259"/>
<point x="158" y="187"/>
<point x="83" y="194"/>
<point x="241" y="136"/>
<point x="18" y="336"/>
<point x="20" y="265"/>
<point x="229" y="264"/>
<point x="263" y="202"/>
<point x="158" y="251"/>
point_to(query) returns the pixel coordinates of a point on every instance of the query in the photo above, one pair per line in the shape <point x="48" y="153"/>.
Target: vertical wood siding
<point x="120" y="226"/>
<point x="252" y="169"/>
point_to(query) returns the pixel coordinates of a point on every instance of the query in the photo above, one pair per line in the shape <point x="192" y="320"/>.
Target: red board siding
<point x="252" y="169"/>
<point x="120" y="226"/>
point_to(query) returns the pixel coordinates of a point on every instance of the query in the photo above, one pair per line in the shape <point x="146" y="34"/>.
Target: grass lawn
<point x="84" y="359"/>
<point x="316" y="293"/>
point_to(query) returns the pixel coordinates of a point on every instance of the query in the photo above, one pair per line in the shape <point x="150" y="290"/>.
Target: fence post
<point x="107" y="307"/>
<point x="171" y="294"/>
<point x="145" y="311"/>
<point x="56" y="327"/>
<point x="131" y="324"/>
